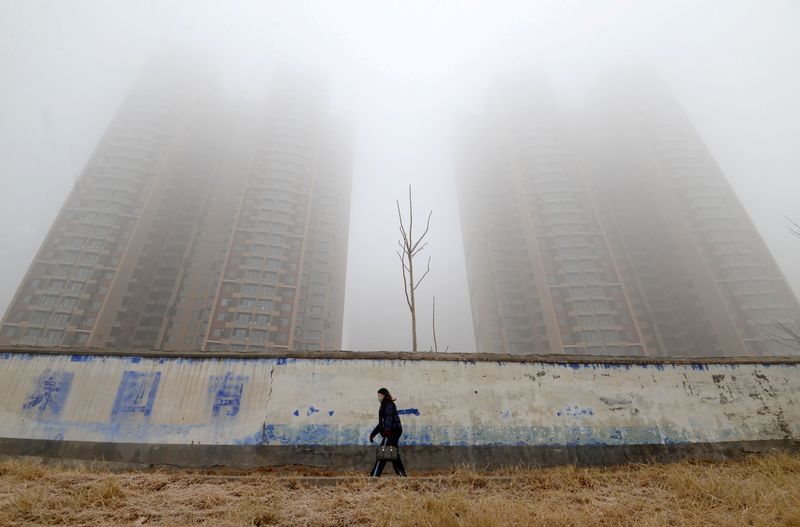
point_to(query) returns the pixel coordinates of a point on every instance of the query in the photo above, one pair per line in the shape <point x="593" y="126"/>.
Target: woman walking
<point x="391" y="429"/>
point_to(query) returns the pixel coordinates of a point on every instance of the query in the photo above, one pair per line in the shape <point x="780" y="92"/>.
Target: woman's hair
<point x="386" y="395"/>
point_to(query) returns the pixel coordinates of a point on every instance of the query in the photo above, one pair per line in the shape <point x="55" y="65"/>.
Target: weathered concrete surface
<point x="157" y="408"/>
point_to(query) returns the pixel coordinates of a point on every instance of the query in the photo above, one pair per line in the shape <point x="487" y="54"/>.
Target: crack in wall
<point x="266" y="404"/>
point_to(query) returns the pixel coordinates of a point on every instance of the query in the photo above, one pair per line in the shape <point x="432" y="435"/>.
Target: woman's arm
<point x="379" y="426"/>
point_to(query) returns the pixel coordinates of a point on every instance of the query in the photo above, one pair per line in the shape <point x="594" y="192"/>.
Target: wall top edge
<point x="398" y="355"/>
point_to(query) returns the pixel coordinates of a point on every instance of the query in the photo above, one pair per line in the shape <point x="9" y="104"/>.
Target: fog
<point x="405" y="74"/>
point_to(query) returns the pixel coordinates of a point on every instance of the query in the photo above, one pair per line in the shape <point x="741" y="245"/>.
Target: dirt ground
<point x="759" y="491"/>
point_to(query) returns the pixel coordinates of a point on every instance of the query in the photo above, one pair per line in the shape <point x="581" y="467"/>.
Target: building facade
<point x="611" y="234"/>
<point x="199" y="224"/>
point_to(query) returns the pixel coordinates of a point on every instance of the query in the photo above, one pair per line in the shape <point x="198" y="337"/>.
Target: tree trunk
<point x="413" y="306"/>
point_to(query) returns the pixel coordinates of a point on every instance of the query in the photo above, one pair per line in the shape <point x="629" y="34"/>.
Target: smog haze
<point x="406" y="76"/>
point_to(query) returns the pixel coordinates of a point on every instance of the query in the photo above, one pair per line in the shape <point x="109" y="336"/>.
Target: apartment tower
<point x="613" y="233"/>
<point x="199" y="224"/>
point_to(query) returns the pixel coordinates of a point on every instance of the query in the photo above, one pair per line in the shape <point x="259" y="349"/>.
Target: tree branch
<point x="793" y="226"/>
<point x="790" y="338"/>
<point x="415" y="286"/>
<point x="427" y="228"/>
<point x="410" y="215"/>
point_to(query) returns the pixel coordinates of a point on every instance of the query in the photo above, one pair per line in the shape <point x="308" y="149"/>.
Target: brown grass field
<point x="760" y="491"/>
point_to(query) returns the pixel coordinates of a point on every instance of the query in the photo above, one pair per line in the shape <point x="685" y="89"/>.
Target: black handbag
<point x="386" y="453"/>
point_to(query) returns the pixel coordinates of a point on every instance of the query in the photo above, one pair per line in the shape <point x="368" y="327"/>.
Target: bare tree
<point x="409" y="248"/>
<point x="788" y="334"/>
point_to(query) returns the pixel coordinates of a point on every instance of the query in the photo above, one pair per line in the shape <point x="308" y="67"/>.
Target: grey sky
<point x="404" y="73"/>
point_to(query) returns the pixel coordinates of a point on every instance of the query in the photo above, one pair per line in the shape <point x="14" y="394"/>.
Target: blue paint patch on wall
<point x="82" y="358"/>
<point x="227" y="393"/>
<point x="319" y="434"/>
<point x="408" y="411"/>
<point x="254" y="439"/>
<point x="135" y="360"/>
<point x="311" y="435"/>
<point x="330" y="413"/>
<point x="312" y="410"/>
<point x="136" y="394"/>
<point x="296" y="413"/>
<point x="285" y="360"/>
<point x="50" y="393"/>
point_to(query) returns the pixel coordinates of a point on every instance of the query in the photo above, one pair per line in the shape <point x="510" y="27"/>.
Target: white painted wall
<point x="333" y="401"/>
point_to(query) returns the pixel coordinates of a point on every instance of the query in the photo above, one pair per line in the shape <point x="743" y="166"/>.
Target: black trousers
<point x="392" y="440"/>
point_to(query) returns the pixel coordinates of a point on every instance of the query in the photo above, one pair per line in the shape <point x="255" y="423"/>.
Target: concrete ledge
<point x="400" y="355"/>
<point x="416" y="458"/>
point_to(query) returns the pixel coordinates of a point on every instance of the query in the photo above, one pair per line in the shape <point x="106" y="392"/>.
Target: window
<point x="59" y="320"/>
<point x="62" y="270"/>
<point x="239" y="334"/>
<point x="610" y="337"/>
<point x="67" y="303"/>
<point x="53" y="336"/>
<point x="316" y="323"/>
<point x="33" y="333"/>
<point x="48" y="300"/>
<point x="82" y="273"/>
<point x="56" y="285"/>
<point x="40" y="317"/>
<point x="591" y="337"/>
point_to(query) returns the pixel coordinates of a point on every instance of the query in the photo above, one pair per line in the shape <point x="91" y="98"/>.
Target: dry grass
<point x="758" y="491"/>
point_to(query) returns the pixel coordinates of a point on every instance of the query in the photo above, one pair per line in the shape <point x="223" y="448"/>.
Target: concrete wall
<point x="455" y="409"/>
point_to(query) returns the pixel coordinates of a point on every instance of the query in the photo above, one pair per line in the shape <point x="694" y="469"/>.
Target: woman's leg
<point x="395" y="442"/>
<point x="378" y="468"/>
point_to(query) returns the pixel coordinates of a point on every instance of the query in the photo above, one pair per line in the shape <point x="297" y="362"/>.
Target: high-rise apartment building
<point x="617" y="238"/>
<point x="709" y="283"/>
<point x="199" y="224"/>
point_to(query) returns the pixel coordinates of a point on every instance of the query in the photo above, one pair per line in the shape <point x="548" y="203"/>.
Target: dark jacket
<point x="388" y="418"/>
